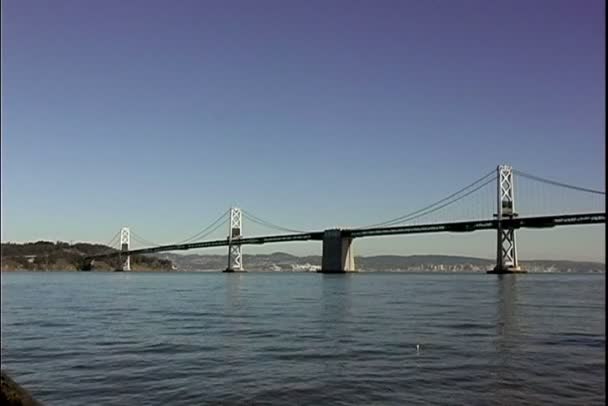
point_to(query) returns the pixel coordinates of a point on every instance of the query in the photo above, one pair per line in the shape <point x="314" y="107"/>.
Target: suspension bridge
<point x="545" y="204"/>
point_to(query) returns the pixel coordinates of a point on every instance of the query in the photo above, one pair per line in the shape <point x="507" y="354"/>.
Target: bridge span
<point x="338" y="255"/>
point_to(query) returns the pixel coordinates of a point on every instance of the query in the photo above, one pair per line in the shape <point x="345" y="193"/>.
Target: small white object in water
<point x="417" y="347"/>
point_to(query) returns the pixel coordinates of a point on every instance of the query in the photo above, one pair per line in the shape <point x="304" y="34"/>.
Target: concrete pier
<point x="338" y="256"/>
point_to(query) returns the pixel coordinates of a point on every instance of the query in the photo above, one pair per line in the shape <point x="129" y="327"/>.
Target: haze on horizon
<point x="160" y="115"/>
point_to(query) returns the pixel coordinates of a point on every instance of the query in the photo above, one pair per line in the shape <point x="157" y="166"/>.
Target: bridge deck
<point x="463" y="226"/>
<point x="469" y="226"/>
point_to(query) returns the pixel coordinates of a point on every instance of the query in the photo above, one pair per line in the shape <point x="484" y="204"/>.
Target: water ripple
<point x="274" y="339"/>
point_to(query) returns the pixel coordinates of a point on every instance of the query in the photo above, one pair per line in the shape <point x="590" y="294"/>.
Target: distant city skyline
<point x="160" y="115"/>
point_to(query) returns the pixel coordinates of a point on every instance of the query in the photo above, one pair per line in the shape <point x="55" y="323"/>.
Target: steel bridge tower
<point x="235" y="232"/>
<point x="125" y="243"/>
<point x="506" y="250"/>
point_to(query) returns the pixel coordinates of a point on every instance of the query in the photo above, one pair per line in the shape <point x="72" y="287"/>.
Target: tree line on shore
<point x="59" y="255"/>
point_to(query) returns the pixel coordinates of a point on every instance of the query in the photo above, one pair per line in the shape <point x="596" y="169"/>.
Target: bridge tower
<point x="506" y="250"/>
<point x="125" y="243"/>
<point x="235" y="232"/>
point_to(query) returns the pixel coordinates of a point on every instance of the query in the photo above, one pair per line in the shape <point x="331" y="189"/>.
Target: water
<point x="282" y="338"/>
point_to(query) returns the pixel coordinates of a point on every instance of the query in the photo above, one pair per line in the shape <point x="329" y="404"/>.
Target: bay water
<point x="75" y="338"/>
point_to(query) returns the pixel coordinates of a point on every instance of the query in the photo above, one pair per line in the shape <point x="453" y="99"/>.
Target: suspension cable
<point x="208" y="232"/>
<point x="555" y="183"/>
<point x="414" y="217"/>
<point x="141" y="240"/>
<point x="272" y="226"/>
<point x="112" y="241"/>
<point x="408" y="215"/>
<point x="199" y="234"/>
<point x="268" y="224"/>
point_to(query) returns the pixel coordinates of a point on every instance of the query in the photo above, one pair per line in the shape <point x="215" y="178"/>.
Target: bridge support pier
<point x="506" y="253"/>
<point x="86" y="265"/>
<point x="338" y="256"/>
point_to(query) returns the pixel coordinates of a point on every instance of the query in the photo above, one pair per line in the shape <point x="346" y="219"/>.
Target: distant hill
<point x="281" y="261"/>
<point x="62" y="256"/>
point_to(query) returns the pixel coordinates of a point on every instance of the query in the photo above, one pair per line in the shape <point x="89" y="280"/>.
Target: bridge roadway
<point x="463" y="226"/>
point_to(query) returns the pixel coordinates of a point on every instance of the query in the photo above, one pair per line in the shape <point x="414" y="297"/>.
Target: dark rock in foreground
<point x="14" y="395"/>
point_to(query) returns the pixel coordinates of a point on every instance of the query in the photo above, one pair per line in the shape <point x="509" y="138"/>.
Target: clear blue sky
<point x="159" y="115"/>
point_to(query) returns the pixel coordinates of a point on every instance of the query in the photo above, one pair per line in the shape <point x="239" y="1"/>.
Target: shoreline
<point x="417" y="271"/>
